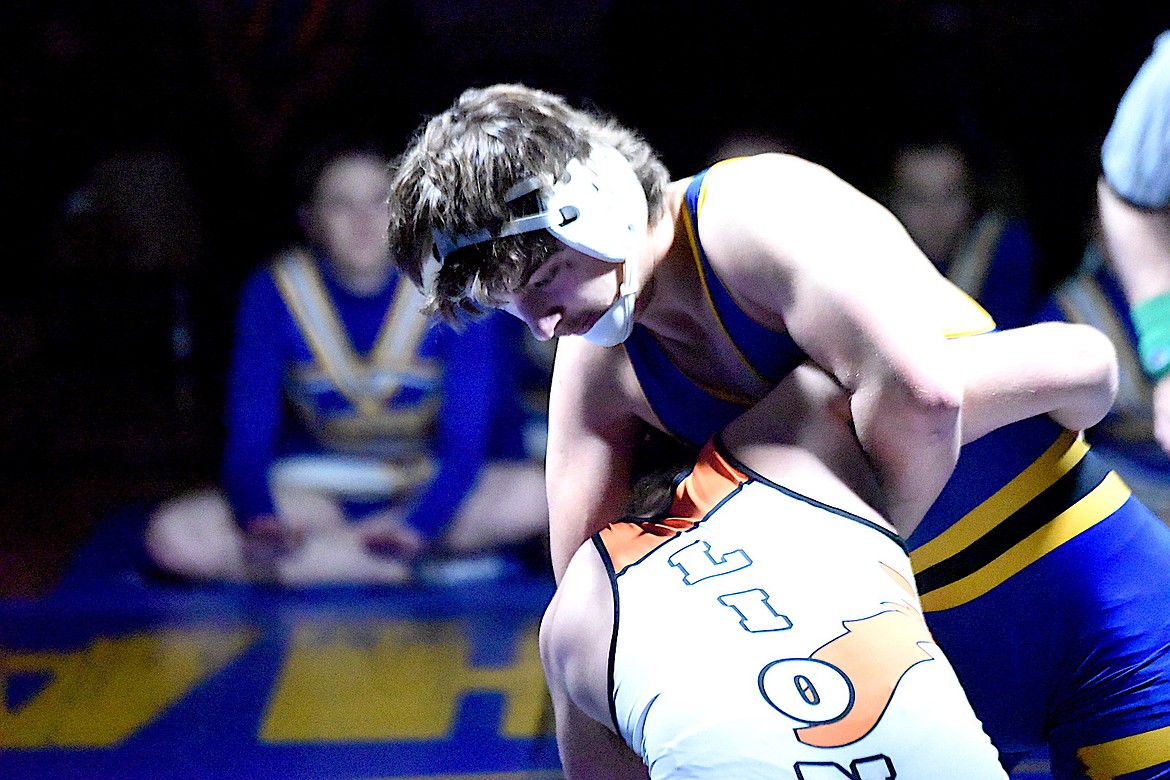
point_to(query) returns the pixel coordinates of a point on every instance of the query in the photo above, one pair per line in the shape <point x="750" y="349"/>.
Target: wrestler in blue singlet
<point x="1031" y="525"/>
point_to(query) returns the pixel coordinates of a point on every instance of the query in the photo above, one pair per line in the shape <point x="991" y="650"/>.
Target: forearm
<point x="244" y="481"/>
<point x="587" y="484"/>
<point x="253" y="423"/>
<point x="1067" y="371"/>
<point x="432" y="512"/>
<point x="592" y="435"/>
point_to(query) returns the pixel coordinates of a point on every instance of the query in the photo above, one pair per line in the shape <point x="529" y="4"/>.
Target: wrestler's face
<point x="932" y="198"/>
<point x="347" y="216"/>
<point x="566" y="295"/>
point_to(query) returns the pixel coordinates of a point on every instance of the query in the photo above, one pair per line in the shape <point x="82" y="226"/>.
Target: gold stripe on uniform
<point x="394" y="351"/>
<point x="974" y="321"/>
<point x="1065" y="453"/>
<point x="402" y="331"/>
<point x="303" y="292"/>
<point x="692" y="236"/>
<point x="1128" y="754"/>
<point x="1100" y="503"/>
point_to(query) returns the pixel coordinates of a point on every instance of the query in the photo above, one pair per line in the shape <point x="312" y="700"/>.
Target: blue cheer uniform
<point x="318" y="370"/>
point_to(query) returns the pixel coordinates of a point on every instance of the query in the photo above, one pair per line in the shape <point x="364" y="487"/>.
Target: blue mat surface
<point x="121" y="674"/>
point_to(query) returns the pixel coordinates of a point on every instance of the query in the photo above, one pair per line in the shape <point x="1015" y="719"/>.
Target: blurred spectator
<point x="937" y="191"/>
<point x="1125" y="437"/>
<point x="361" y="436"/>
<point x="1134" y="207"/>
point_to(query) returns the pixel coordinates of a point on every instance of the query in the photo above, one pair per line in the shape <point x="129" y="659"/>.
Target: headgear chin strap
<point x="598" y="207"/>
<point x="616" y="325"/>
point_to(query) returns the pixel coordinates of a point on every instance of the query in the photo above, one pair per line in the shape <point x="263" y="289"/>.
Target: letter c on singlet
<point x="807" y="690"/>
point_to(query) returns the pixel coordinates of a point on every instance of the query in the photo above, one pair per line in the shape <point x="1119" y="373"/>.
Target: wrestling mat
<point x="119" y="674"/>
<point x="116" y="674"/>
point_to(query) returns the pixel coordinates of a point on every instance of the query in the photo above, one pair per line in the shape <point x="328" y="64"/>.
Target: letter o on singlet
<point x="807" y="690"/>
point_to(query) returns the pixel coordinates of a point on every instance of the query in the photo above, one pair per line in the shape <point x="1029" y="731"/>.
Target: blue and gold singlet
<point x="1042" y="578"/>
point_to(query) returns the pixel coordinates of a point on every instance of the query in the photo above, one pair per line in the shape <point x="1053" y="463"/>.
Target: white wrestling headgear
<point x="598" y="207"/>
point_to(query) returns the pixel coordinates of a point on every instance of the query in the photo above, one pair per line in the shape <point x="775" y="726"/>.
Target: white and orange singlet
<point x="761" y="633"/>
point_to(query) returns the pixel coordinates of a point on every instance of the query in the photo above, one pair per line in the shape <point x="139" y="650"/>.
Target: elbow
<point x="907" y="408"/>
<point x="937" y="408"/>
<point x="1101" y="355"/>
<point x="936" y="401"/>
<point x="1097" y="356"/>
<point x="926" y="416"/>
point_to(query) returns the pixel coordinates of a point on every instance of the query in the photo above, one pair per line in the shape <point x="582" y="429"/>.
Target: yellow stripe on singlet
<point x="395" y="350"/>
<point x="723" y="394"/>
<point x="1065" y="453"/>
<point x="1128" y="754"/>
<point x="1100" y="503"/>
<point x="969" y="320"/>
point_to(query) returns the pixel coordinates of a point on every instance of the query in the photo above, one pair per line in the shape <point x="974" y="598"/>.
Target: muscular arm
<point x="592" y="434"/>
<point x="807" y="253"/>
<point x="1066" y="371"/>
<point x="799" y="433"/>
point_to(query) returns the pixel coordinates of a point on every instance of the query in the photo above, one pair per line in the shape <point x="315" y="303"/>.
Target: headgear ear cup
<point x="599" y="208"/>
<point x="609" y="203"/>
<point x="612" y="214"/>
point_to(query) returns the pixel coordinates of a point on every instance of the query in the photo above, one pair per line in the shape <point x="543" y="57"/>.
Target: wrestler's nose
<point x="542" y="323"/>
<point x="544" y="327"/>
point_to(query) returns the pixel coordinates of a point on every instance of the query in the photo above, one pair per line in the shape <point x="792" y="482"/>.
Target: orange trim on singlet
<point x="710" y="481"/>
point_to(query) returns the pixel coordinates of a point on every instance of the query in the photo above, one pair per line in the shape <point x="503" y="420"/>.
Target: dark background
<point x="145" y="151"/>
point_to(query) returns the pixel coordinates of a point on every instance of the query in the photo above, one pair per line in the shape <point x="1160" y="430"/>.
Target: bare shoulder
<point x="759" y="185"/>
<point x="575" y="634"/>
<point x="776" y="227"/>
<point x="762" y="218"/>
<point x="576" y="357"/>
<point x="776" y="202"/>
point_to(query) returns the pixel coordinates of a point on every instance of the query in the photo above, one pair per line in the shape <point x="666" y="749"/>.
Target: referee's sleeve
<point x="1135" y="157"/>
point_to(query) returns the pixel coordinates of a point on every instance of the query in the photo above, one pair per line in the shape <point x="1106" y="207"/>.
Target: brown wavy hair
<point x="454" y="174"/>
